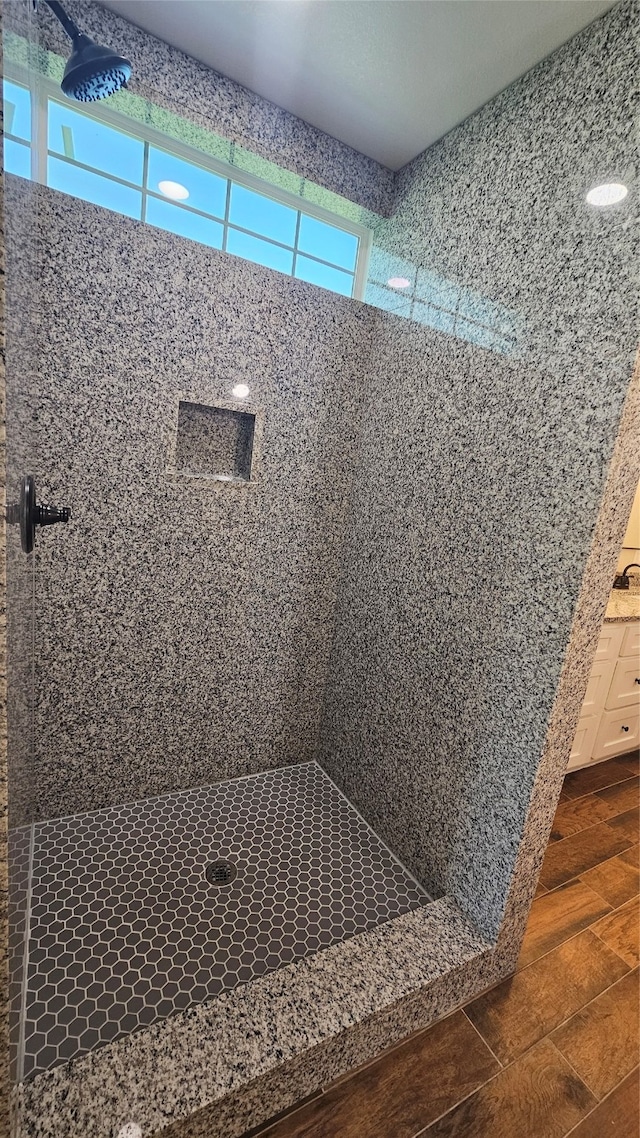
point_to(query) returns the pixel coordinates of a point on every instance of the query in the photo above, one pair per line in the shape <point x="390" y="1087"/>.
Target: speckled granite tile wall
<point x="4" y="782"/>
<point x="607" y="534"/>
<point x="491" y="221"/>
<point x="16" y="587"/>
<point x="480" y="473"/>
<point x="21" y="317"/>
<point x="185" y="624"/>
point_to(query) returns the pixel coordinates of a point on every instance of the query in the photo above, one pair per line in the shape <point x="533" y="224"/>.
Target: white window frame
<point x="42" y="89"/>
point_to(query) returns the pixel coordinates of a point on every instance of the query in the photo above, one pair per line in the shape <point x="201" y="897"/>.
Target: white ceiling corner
<point x="388" y="77"/>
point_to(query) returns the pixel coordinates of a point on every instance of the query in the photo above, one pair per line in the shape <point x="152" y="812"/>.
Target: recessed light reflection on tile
<point x="130" y="1130"/>
<point x="398" y="282"/>
<point x="607" y="194"/>
<point x="240" y="391"/>
<point x="174" y="190"/>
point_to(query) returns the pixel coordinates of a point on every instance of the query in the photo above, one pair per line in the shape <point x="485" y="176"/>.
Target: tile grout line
<point x="424" y="1129"/>
<point x="630" y="967"/>
<point x="589" y="886"/>
<point x="612" y="909"/>
<point x="503" y="1069"/>
<point x="479" y="1033"/>
<point x="506" y="1067"/>
<point x="622" y="905"/>
<point x="563" y="884"/>
<point x="599" y="1103"/>
<point x="578" y="1077"/>
<point x="410" y="1038"/>
<point x="25" y="961"/>
<point x="555" y="845"/>
<point x="578" y="876"/>
<point x="594" y="793"/>
<point x="585" y="1005"/>
<point x="553" y="842"/>
<point x="593" y="766"/>
<point x="547" y="1035"/>
<point x="284" y="1115"/>
<point x="629" y="972"/>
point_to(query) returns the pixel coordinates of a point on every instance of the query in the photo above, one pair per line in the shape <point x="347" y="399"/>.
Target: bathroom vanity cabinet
<point x="609" y="722"/>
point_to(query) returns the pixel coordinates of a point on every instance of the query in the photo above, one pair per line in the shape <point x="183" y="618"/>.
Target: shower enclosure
<point x="180" y="838"/>
<point x="172" y="834"/>
<point x="279" y="780"/>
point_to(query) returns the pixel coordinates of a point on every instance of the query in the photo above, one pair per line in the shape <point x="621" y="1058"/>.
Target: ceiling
<point x="388" y="77"/>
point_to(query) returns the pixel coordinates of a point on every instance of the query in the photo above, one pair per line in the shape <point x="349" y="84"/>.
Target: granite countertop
<point x="624" y="604"/>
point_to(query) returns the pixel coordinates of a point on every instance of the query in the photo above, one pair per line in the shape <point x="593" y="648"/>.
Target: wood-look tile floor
<point x="552" y="1050"/>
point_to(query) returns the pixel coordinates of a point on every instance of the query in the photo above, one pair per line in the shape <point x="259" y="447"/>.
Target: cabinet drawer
<point x="609" y="643"/>
<point x="631" y="641"/>
<point x="619" y="732"/>
<point x="598" y="687"/>
<point x="625" y="685"/>
<point x="583" y="742"/>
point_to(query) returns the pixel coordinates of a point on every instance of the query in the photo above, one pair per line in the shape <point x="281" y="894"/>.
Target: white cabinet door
<point x="631" y="640"/>
<point x="619" y="732"/>
<point x="583" y="742"/>
<point x="609" y="643"/>
<point x="598" y="687"/>
<point x="625" y="685"/>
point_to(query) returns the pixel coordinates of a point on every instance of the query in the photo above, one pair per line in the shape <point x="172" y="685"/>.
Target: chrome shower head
<point x="92" y="72"/>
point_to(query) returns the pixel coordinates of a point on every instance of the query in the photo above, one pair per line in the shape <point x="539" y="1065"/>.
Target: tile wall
<point x="184" y="624"/>
<point x="481" y="471"/>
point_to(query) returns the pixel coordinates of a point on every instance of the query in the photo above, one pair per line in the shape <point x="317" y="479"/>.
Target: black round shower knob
<point x="28" y="514"/>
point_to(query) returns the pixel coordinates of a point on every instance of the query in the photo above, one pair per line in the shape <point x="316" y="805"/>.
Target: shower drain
<point x="220" y="872"/>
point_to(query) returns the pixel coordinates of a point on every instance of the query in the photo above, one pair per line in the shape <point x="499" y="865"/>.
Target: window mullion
<point x="145" y="176"/>
<point x="295" y="244"/>
<point x="227" y="206"/>
<point x="39" y="132"/>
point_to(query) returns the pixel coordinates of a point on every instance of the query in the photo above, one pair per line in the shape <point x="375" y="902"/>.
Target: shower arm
<point x="72" y="30"/>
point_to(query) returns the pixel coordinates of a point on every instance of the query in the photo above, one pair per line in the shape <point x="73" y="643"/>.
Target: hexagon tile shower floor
<point x="130" y="919"/>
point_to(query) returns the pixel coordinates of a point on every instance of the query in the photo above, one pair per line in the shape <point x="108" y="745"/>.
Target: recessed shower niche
<point x="215" y="442"/>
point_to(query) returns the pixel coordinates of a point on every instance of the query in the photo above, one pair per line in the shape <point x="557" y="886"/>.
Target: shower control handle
<point x="49" y="515"/>
<point x="28" y="514"/>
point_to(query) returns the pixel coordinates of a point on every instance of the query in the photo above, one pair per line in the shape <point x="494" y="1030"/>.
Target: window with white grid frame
<point x="143" y="176"/>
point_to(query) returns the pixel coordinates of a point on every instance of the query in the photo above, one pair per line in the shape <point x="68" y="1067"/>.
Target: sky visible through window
<point x="118" y="169"/>
<point x="93" y="160"/>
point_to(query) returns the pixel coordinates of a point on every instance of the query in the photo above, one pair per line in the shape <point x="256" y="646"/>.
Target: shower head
<point x="92" y="72"/>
